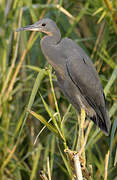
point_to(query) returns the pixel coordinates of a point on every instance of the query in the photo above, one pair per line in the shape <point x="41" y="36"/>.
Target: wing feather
<point x="85" y="77"/>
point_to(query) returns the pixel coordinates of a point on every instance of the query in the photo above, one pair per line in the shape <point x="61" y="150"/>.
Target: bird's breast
<point x="59" y="68"/>
<point x="55" y="57"/>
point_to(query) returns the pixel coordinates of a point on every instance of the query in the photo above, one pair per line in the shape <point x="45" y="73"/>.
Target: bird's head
<point x="45" y="25"/>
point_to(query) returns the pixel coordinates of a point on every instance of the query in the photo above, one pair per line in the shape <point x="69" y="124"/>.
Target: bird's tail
<point x="103" y="122"/>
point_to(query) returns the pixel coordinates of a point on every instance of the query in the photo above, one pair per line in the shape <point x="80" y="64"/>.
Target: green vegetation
<point x="37" y="124"/>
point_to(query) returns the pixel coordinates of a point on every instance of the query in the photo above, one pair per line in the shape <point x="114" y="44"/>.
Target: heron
<point x="75" y="72"/>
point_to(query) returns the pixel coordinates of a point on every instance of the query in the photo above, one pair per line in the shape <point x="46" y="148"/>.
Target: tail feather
<point x="104" y="124"/>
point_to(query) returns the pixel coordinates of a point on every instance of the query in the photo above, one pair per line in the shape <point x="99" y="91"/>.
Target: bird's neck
<point x="48" y="45"/>
<point x="50" y="49"/>
<point x="51" y="40"/>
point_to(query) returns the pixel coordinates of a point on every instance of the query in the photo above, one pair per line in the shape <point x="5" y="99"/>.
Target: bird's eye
<point x="43" y="24"/>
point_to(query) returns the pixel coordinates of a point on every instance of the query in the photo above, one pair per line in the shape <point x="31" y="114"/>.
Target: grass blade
<point x="42" y="119"/>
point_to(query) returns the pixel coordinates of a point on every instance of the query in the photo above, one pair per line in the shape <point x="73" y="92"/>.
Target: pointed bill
<point x="32" y="27"/>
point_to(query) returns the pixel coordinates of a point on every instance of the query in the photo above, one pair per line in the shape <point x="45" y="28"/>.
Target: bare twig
<point x="74" y="160"/>
<point x="48" y="169"/>
<point x="81" y="135"/>
<point x="77" y="166"/>
<point x="106" y="165"/>
<point x="65" y="11"/>
<point x="86" y="137"/>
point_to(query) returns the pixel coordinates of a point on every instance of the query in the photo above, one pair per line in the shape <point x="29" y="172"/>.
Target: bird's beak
<point x="32" y="27"/>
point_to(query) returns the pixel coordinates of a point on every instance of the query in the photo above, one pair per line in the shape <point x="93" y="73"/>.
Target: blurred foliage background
<point x="28" y="143"/>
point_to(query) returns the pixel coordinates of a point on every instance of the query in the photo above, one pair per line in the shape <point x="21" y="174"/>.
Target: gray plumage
<point x="75" y="72"/>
